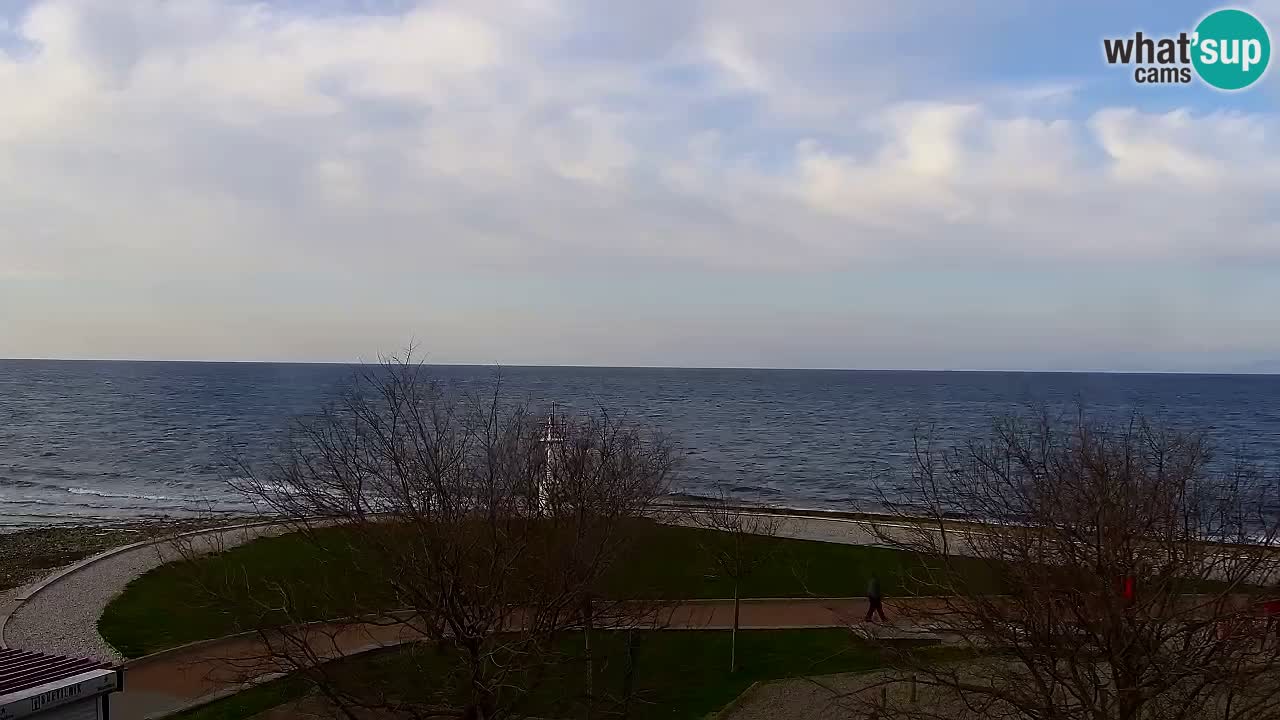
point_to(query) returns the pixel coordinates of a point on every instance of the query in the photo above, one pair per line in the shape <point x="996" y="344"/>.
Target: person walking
<point x="875" y="599"/>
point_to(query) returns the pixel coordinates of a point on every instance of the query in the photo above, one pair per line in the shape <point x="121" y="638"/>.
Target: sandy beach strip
<point x="28" y="554"/>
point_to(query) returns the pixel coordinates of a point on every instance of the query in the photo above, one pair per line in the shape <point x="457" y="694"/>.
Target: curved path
<point x="59" y="615"/>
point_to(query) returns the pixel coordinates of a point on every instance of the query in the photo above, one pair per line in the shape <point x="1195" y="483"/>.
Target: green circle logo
<point x="1231" y="49"/>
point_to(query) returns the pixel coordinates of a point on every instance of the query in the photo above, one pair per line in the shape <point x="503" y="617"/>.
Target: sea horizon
<point x="367" y="363"/>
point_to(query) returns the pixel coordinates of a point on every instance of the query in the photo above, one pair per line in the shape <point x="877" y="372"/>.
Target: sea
<point x="99" y="442"/>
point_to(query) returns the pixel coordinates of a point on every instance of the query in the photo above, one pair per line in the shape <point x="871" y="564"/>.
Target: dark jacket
<point x="873" y="588"/>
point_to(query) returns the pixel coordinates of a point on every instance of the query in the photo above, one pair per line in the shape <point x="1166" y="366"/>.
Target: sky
<point x="714" y="183"/>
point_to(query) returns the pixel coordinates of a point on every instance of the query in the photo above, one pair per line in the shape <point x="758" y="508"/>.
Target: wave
<point x="186" y="501"/>
<point x="27" y="520"/>
<point x="130" y="496"/>
<point x="756" y="489"/>
<point x="26" y="481"/>
<point x="78" y="509"/>
<point x="15" y="483"/>
<point x="682" y="497"/>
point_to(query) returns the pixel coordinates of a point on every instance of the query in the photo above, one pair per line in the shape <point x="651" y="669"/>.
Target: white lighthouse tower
<point x="552" y="436"/>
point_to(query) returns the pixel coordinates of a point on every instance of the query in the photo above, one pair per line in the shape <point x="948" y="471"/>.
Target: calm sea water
<point x="106" y="440"/>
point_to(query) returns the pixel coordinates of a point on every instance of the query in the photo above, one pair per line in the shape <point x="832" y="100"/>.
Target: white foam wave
<point x="130" y="496"/>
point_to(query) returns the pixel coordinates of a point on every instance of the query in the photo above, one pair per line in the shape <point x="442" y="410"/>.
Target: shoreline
<point x="28" y="554"/>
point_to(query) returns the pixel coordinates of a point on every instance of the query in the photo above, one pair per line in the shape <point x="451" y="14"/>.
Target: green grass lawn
<point x="250" y="702"/>
<point x="168" y="606"/>
<point x="676" y="674"/>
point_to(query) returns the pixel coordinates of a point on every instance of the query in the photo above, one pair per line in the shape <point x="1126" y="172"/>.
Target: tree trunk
<point x="733" y="634"/>
<point x="628" y="676"/>
<point x="587" y="625"/>
<point x="482" y="700"/>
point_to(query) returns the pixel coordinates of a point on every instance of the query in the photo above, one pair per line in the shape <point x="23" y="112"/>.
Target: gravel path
<point x="62" y="619"/>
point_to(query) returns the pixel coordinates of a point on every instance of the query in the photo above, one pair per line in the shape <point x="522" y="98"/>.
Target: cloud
<point x="962" y="180"/>
<point x="212" y="139"/>
<point x="157" y="133"/>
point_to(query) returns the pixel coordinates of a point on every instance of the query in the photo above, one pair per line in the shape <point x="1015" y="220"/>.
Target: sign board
<point x="77" y="689"/>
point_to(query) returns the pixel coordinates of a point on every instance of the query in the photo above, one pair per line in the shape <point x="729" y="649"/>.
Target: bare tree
<point x="447" y="522"/>
<point x="739" y="542"/>
<point x="1135" y="572"/>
